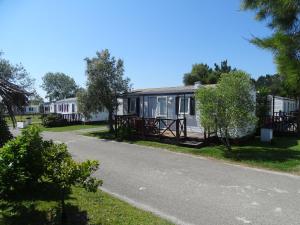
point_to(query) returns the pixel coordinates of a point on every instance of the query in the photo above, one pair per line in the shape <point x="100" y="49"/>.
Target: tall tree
<point x="271" y="84"/>
<point x="11" y="97"/>
<point x="59" y="86"/>
<point x="15" y="74"/>
<point x="282" y="17"/>
<point x="200" y="72"/>
<point x="35" y="99"/>
<point x="105" y="83"/>
<point x="205" y="74"/>
<point x="222" y="68"/>
<point x="229" y="107"/>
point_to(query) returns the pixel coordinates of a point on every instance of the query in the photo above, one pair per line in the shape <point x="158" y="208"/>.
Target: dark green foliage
<point x="105" y="83"/>
<point x="54" y="120"/>
<point x="262" y="107"/>
<point x="59" y="86"/>
<point x="13" y="81"/>
<point x="229" y="107"/>
<point x="223" y="68"/>
<point x="200" y="72"/>
<point x="125" y="133"/>
<point x="28" y="164"/>
<point x="206" y="75"/>
<point x="5" y="134"/>
<point x="282" y="17"/>
<point x="11" y="97"/>
<point x="15" y="74"/>
<point x="271" y="84"/>
<point x="21" y="162"/>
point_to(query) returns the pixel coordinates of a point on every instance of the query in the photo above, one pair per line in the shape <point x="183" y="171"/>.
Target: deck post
<point x="159" y="127"/>
<point x="273" y="109"/>
<point x="116" y="126"/>
<point x="143" y="127"/>
<point x="143" y="106"/>
<point x="184" y="125"/>
<point x="177" y="130"/>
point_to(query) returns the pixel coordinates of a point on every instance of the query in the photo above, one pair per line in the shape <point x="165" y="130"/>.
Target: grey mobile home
<point x="165" y="103"/>
<point x="172" y="103"/>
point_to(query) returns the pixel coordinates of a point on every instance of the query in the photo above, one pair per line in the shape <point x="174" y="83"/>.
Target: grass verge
<point x="283" y="154"/>
<point x="35" y="118"/>
<point x="82" y="208"/>
<point x="72" y="127"/>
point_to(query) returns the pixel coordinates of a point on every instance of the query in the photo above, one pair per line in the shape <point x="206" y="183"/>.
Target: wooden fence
<point x="281" y="124"/>
<point x="73" y="118"/>
<point x="160" y="127"/>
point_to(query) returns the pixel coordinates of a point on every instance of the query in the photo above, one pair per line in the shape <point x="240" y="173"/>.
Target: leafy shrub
<point x="5" y="134"/>
<point x="28" y="162"/>
<point x="54" y="120"/>
<point x="21" y="163"/>
<point x="125" y="133"/>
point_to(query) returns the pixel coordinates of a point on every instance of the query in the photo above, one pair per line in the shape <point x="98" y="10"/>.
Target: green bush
<point x="54" y="120"/>
<point x="28" y="162"/>
<point x="21" y="164"/>
<point x="5" y="134"/>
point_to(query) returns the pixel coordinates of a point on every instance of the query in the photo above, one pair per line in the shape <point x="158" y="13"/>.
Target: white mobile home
<point x="31" y="109"/>
<point x="277" y="104"/>
<point x="68" y="107"/>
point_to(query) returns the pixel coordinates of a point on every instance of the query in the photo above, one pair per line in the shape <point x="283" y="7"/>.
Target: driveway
<point x="187" y="189"/>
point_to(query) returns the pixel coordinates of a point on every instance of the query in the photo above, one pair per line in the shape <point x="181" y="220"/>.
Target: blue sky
<point x="158" y="40"/>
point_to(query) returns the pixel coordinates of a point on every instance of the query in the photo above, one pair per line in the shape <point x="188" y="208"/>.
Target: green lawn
<point x="36" y="119"/>
<point x="72" y="127"/>
<point x="282" y="155"/>
<point x="82" y="208"/>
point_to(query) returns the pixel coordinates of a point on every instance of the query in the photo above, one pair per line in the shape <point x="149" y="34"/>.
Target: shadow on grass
<point x="280" y="151"/>
<point x="28" y="213"/>
<point x="39" y="207"/>
<point x="103" y="135"/>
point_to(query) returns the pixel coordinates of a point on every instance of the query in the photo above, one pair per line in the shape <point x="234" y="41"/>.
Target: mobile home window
<point x="184" y="105"/>
<point x="132" y="105"/>
<point x="162" y="105"/>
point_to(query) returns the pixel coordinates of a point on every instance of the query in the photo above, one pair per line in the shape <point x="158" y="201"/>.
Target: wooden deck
<point x="166" y="130"/>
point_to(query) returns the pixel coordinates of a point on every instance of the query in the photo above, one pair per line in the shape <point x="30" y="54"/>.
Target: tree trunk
<point x="63" y="210"/>
<point x="298" y="118"/>
<point x="110" y="121"/>
<point x="228" y="146"/>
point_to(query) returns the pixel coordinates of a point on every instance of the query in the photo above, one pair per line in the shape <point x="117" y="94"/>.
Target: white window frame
<point x="158" y="106"/>
<point x="132" y="100"/>
<point x="188" y="105"/>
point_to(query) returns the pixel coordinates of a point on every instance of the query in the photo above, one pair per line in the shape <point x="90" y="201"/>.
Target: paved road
<point x="187" y="189"/>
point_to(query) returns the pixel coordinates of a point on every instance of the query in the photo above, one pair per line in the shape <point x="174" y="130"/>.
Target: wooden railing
<point x="283" y="124"/>
<point x="161" y="127"/>
<point x="74" y="117"/>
